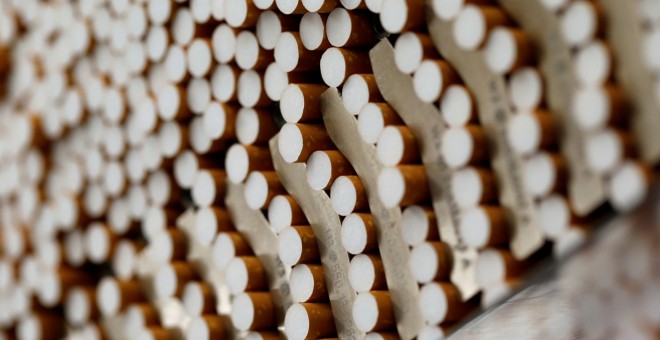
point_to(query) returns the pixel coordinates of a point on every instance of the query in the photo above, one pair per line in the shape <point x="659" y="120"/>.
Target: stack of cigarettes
<point x="129" y="128"/>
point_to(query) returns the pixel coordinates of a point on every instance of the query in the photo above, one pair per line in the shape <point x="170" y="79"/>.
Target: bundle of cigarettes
<point x="309" y="169"/>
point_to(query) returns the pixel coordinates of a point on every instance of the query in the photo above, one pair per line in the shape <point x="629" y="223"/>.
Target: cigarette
<point x="373" y="311"/>
<point x="80" y="305"/>
<point x="358" y="90"/>
<point x="253" y="311"/>
<point x="397" y="16"/>
<point x="366" y="273"/>
<point x="283" y="211"/>
<point x="224" y="43"/>
<point x="373" y="118"/>
<point x="249" y="55"/>
<point x="155" y="332"/>
<point x="568" y="242"/>
<point x="290" y="6"/>
<point x="205" y="327"/>
<point x="172" y="138"/>
<point x="309" y="321"/>
<point x="175" y="64"/>
<point x="348" y="195"/>
<point x="263" y="335"/>
<point x="350" y="28"/>
<point x="276" y="80"/>
<point x="302" y="103"/>
<point x="606" y="149"/>
<point x="113" y="296"/>
<point x="226" y="246"/>
<point x="581" y="22"/>
<point x="593" y="64"/>
<point x="595" y="108"/>
<point x="495" y="266"/>
<point x="270" y="26"/>
<point x="209" y="188"/>
<point x="441" y="303"/>
<point x="464" y="145"/>
<point x="338" y="63"/>
<point x="312" y="31"/>
<point x="320" y="6"/>
<point x="114" y="106"/>
<point x="156" y="219"/>
<point x="245" y="273"/>
<point x="298" y="141"/>
<point x="241" y="13"/>
<point x="474" y="23"/>
<point x="172" y="245"/>
<point x="528" y="132"/>
<point x="526" y="89"/>
<point x="484" y="226"/>
<point x="307" y="283"/>
<point x="186" y="166"/>
<point x="134" y="167"/>
<point x="296" y="245"/>
<point x="473" y="186"/>
<point x="136" y="198"/>
<point x="210" y="220"/>
<point x="198" y="95"/>
<point x="150" y="153"/>
<point x="244" y="159"/>
<point x="251" y="91"/>
<point x="125" y="258"/>
<point x="403" y="185"/>
<point x="324" y="167"/>
<point x="507" y="49"/>
<point x="162" y="189"/>
<point x="141" y="315"/>
<point x="545" y="173"/>
<point x="432" y="78"/>
<point x="554" y="5"/>
<point x="100" y="242"/>
<point x="170" y="279"/>
<point x="291" y="55"/>
<point x="629" y="185"/>
<point x="397" y="145"/>
<point x="418" y="224"/>
<point x="448" y="10"/>
<point x="74" y="248"/>
<point x="40" y="325"/>
<point x="261" y="187"/>
<point x="411" y="48"/>
<point x="156" y="43"/>
<point x="201" y="11"/>
<point x="199" y="57"/>
<point x="159" y="11"/>
<point x="224" y="83"/>
<point x="554" y="216"/>
<point x="430" y="261"/>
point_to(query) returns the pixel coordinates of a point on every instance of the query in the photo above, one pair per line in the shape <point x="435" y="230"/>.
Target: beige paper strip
<point x="327" y="227"/>
<point x="586" y="189"/>
<point x="394" y="252"/>
<point x="257" y="232"/>
<point x="424" y="120"/>
<point x="624" y="33"/>
<point x="494" y="112"/>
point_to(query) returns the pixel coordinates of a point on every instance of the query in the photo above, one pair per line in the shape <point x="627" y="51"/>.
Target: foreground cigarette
<point x="593" y="63"/>
<point x="324" y="167"/>
<point x="100" y="242"/>
<point x="113" y="296"/>
<point x="596" y="107"/>
<point x="283" y="211"/>
<point x="291" y="55"/>
<point x="226" y="246"/>
<point x="348" y="195"/>
<point x="242" y="160"/>
<point x="473" y="186"/>
<point x="312" y="31"/>
<point x="298" y="245"/>
<point x="545" y="173"/>
<point x="254" y="126"/>
<point x="308" y="283"/>
<point x="403" y="185"/>
<point x="629" y="185"/>
<point x="80" y="306"/>
<point x="170" y="279"/>
<point x="366" y="273"/>
<point x="358" y="233"/>
<point x="402" y="15"/>
<point x="309" y="321"/>
<point x="373" y="118"/>
<point x="554" y="216"/>
<point x="358" y="90"/>
<point x="507" y="49"/>
<point x="302" y="102"/>
<point x="526" y="89"/>
<point x="411" y="48"/>
<point x="432" y="78"/>
<point x="338" y="63"/>
<point x="198" y="298"/>
<point x="245" y="273"/>
<point x="606" y="149"/>
<point x="441" y="303"/>
<point x="530" y="131"/>
<point x="418" y="224"/>
<point x="495" y="266"/>
<point x="298" y="141"/>
<point x="253" y="311"/>
<point x="580" y="22"/>
<point x="208" y="221"/>
<point x="261" y="187"/>
<point x="397" y="145"/>
<point x="209" y="188"/>
<point x="350" y="28"/>
<point x="463" y="146"/>
<point x="205" y="327"/>
<point x="484" y="226"/>
<point x="373" y="311"/>
<point x="430" y="261"/>
<point x="474" y="23"/>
